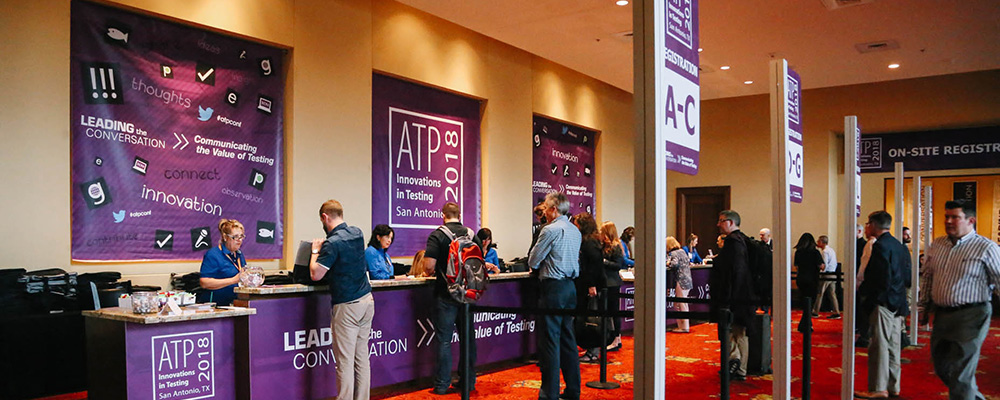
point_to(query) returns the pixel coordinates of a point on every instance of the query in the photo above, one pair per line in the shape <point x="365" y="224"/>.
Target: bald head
<point x="765" y="235"/>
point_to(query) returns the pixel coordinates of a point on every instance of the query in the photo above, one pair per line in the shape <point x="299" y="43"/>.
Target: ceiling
<point x="935" y="37"/>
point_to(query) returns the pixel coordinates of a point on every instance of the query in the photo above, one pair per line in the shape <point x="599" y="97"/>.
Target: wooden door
<point x="698" y="211"/>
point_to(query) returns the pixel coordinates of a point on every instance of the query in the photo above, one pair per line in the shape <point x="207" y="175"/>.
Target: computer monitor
<point x="300" y="273"/>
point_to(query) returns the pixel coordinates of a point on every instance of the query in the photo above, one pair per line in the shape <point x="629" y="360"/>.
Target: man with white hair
<point x="765" y="236"/>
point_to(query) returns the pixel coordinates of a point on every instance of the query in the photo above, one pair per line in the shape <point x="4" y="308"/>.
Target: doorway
<point x="698" y="211"/>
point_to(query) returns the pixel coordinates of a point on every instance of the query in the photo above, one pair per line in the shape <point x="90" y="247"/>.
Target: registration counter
<point x="289" y="341"/>
<point x="174" y="357"/>
<point x="699" y="279"/>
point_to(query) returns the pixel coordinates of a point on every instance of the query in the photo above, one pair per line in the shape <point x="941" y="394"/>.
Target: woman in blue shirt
<point x="691" y="251"/>
<point x="626" y="239"/>
<point x="222" y="265"/>
<point x="485" y="235"/>
<point x="377" y="253"/>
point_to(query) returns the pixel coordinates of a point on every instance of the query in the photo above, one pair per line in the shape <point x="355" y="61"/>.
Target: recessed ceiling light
<point x="700" y="49"/>
<point x="622" y="2"/>
<point x="893" y="66"/>
<point x="724" y="67"/>
<point x="747" y="82"/>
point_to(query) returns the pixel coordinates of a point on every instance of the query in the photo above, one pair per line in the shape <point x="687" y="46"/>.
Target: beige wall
<point x="736" y="143"/>
<point x="335" y="47"/>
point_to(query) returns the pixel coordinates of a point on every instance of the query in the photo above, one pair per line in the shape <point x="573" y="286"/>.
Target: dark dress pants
<point x="556" y="343"/>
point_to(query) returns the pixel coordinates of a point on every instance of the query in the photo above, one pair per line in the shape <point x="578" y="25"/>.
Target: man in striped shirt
<point x="957" y="275"/>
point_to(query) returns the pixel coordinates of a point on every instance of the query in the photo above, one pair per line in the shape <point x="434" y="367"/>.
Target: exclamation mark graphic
<point x="93" y="82"/>
<point x="111" y="80"/>
<point x="104" y="85"/>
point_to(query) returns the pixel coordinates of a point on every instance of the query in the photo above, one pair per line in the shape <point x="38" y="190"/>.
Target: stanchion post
<point x="806" y="328"/>
<point x="726" y="318"/>
<point x="603" y="382"/>
<point x="465" y="363"/>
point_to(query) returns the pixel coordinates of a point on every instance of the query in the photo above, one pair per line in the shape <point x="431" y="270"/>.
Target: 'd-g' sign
<point x="425" y="153"/>
<point x="172" y="128"/>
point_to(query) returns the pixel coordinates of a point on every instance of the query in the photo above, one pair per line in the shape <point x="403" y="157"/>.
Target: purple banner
<point x="680" y="91"/>
<point x="292" y="353"/>
<point x="172" y="128"/>
<point x="563" y="161"/>
<point x="793" y="114"/>
<point x="932" y="150"/>
<point x="425" y="152"/>
<point x="182" y="360"/>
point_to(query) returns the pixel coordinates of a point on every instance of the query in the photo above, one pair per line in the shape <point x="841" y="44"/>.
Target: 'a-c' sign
<point x="678" y="94"/>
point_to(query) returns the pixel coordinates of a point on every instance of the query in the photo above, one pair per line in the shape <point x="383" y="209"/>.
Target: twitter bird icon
<point x="119" y="216"/>
<point x="204" y="114"/>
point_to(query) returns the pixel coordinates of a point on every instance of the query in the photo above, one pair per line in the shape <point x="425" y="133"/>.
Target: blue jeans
<point x="556" y="343"/>
<point x="448" y="318"/>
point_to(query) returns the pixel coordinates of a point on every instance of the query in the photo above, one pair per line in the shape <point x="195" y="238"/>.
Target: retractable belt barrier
<point x="725" y="320"/>
<point x="826" y="276"/>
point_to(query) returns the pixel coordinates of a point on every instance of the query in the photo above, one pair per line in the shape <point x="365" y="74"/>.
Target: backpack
<point x="760" y="263"/>
<point x="465" y="273"/>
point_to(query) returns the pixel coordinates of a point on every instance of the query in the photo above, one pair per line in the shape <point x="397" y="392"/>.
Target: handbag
<point x="588" y="329"/>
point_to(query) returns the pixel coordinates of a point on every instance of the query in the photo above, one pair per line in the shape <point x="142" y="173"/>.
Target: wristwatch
<point x="315" y="251"/>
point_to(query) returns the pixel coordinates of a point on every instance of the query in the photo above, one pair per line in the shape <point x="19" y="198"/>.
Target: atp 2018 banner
<point x="425" y="153"/>
<point x="172" y="128"/>
<point x="563" y="161"/>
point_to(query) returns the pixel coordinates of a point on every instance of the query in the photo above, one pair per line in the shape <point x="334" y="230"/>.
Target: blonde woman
<point x="417" y="268"/>
<point x="679" y="265"/>
<point x="614" y="260"/>
<point x="222" y="264"/>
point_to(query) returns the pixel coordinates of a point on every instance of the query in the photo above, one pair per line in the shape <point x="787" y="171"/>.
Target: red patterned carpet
<point x="693" y="364"/>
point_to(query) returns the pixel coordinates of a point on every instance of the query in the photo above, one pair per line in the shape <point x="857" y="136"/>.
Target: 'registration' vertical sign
<point x="793" y="129"/>
<point x="857" y="169"/>
<point x="678" y="90"/>
<point x="425" y="153"/>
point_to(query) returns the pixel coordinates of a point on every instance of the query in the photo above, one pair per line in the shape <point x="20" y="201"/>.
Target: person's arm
<point x="992" y="261"/>
<point x="695" y="258"/>
<point x="215" y="284"/>
<point x="318" y="266"/>
<point x="492" y="261"/>
<point x="542" y="247"/>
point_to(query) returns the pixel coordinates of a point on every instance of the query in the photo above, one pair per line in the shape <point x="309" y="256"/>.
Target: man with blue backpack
<point x="455" y="255"/>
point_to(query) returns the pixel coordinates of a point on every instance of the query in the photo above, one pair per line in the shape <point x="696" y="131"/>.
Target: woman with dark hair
<point x="377" y="253"/>
<point x="591" y="270"/>
<point x="626" y="239"/>
<point x="808" y="263"/>
<point x="485" y="236"/>
<point x="691" y="251"/>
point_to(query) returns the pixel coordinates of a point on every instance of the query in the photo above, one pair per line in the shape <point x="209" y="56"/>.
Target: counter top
<point x="117" y="314"/>
<point x="386" y="283"/>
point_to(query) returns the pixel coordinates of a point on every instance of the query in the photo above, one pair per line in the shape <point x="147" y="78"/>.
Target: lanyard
<point x="233" y="258"/>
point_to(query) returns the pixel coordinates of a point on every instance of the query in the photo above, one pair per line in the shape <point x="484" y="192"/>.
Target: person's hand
<point x="317" y="244"/>
<point x="592" y="291"/>
<point x="493" y="268"/>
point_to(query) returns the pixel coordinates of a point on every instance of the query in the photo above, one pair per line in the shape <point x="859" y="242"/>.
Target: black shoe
<point x="738" y="377"/>
<point x="734" y="365"/>
<point x="441" y="392"/>
<point x="861" y="343"/>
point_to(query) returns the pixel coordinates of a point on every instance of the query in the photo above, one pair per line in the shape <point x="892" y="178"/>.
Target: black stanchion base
<point x="603" y="385"/>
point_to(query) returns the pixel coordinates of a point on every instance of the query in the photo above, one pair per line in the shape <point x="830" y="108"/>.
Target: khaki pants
<point x="739" y="347"/>
<point x="352" y="325"/>
<point x="829" y="287"/>
<point x="883" y="352"/>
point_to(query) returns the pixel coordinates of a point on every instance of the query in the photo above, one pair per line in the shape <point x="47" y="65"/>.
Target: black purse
<point x="588" y="329"/>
